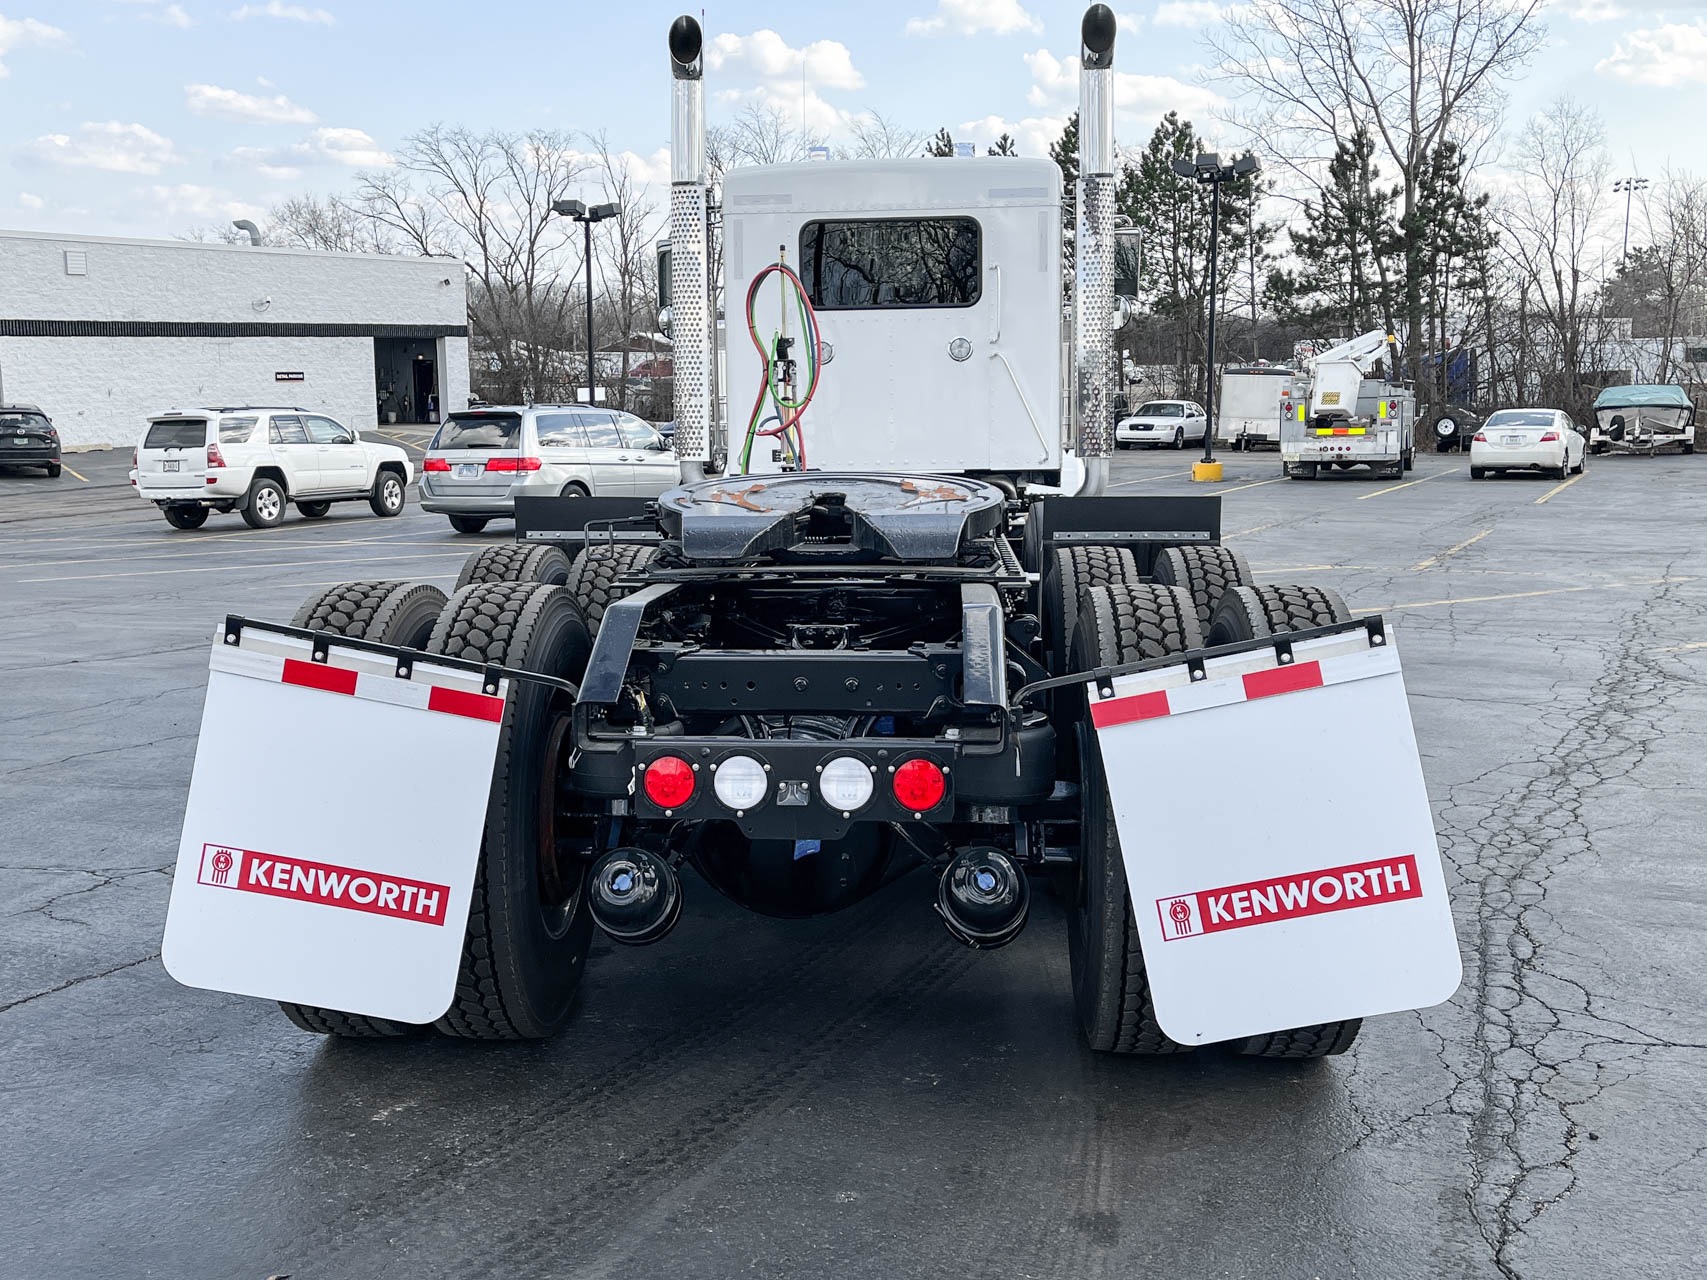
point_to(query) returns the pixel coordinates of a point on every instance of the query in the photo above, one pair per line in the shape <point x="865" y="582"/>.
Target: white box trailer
<point x="1253" y="401"/>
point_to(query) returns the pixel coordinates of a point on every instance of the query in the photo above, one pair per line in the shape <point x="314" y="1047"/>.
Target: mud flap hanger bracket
<point x="1280" y="645"/>
<point x="323" y="642"/>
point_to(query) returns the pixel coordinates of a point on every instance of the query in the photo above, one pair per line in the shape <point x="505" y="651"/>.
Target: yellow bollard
<point x="1206" y="471"/>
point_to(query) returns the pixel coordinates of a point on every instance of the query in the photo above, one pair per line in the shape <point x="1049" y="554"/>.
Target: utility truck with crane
<point x="892" y="626"/>
<point x="1344" y="418"/>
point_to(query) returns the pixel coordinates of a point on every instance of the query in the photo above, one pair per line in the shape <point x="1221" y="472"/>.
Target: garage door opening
<point x="406" y="380"/>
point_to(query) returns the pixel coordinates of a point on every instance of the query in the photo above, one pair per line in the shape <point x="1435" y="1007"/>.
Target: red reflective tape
<point x="456" y="702"/>
<point x="1136" y="706"/>
<point x="317" y="675"/>
<point x="1265" y="684"/>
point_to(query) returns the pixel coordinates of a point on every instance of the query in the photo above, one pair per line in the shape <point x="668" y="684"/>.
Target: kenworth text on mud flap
<point x="905" y="628"/>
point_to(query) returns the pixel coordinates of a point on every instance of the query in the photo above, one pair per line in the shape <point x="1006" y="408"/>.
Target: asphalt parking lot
<point x="859" y="1096"/>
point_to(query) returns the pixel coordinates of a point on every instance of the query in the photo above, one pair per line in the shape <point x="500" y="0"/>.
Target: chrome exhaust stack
<point x="1093" y="256"/>
<point x="692" y="331"/>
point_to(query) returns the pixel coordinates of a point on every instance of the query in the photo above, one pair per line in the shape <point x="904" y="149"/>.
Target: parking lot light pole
<point x="587" y="215"/>
<point x="1207" y="168"/>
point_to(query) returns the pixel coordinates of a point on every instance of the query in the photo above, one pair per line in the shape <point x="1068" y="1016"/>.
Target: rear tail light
<point x="133" y="453"/>
<point x="214" y="457"/>
<point x="740" y="783"/>
<point x="1550" y="437"/>
<point x="845" y="783"/>
<point x="669" y="782"/>
<point x="919" y="785"/>
<point x="435" y="464"/>
<point x="1481" y="436"/>
<point x="513" y="464"/>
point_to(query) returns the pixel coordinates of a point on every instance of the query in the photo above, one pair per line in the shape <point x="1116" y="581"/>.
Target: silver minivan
<point x="482" y="459"/>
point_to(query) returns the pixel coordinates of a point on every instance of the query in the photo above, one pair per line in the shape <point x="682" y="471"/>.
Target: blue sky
<point x="146" y="117"/>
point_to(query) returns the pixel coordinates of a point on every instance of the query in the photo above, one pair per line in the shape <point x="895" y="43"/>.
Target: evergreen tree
<point x="1064" y="151"/>
<point x="1455" y="240"/>
<point x="941" y="145"/>
<point x="1004" y="146"/>
<point x="1350" y="255"/>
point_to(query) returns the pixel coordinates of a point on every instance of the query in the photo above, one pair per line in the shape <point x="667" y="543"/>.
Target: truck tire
<point x="1206" y="573"/>
<point x="1122" y="623"/>
<point x="1255" y="613"/>
<point x="593" y="576"/>
<point x="263" y="506"/>
<point x="400" y="613"/>
<point x="529" y="927"/>
<point x="1067" y="574"/>
<point x="185" y="517"/>
<point x="515" y="562"/>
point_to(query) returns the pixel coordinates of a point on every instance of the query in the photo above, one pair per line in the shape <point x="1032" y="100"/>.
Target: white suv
<point x="255" y="460"/>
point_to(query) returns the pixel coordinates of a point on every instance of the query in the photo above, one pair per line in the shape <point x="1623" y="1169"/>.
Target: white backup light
<point x="845" y="783"/>
<point x="740" y="783"/>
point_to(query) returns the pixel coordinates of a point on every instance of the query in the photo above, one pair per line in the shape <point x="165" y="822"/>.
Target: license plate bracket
<point x="170" y="465"/>
<point x="468" y="470"/>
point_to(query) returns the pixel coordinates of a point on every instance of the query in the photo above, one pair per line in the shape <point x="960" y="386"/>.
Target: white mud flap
<point x="1305" y="889"/>
<point x="332" y="829"/>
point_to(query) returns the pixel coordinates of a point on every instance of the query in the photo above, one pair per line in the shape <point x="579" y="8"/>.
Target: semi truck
<point x="893" y="629"/>
<point x="1343" y="418"/>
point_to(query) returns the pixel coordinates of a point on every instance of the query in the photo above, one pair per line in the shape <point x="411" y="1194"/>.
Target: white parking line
<point x="1255" y="484"/>
<point x="1524" y="595"/>
<point x="1166" y="475"/>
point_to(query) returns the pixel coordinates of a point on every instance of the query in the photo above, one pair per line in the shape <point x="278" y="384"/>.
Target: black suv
<point x="28" y="438"/>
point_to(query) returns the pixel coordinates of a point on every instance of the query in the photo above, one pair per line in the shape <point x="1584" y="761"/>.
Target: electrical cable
<point x="788" y="412"/>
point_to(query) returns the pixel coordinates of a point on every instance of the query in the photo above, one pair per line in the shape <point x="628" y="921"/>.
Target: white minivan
<point x="481" y="460"/>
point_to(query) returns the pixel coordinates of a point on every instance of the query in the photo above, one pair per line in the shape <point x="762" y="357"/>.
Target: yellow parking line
<point x="77" y="473"/>
<point x="1560" y="488"/>
<point x="1167" y="475"/>
<point x="1525" y="595"/>
<point x="1255" y="484"/>
<point x="1451" y="551"/>
<point x="1364" y="497"/>
<point x="1683" y="648"/>
<point x="1257" y="528"/>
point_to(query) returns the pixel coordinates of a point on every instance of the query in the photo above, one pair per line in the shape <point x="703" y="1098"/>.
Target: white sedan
<point x="1159" y="422"/>
<point x="1544" y="440"/>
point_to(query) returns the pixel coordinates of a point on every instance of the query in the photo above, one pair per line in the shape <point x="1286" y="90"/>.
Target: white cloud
<point x="31" y="202"/>
<point x="1593" y="10"/>
<point x="1146" y="98"/>
<point x="186" y="201"/>
<point x="172" y="15"/>
<point x="16" y="33"/>
<point x="968" y="17"/>
<point x="1659" y="57"/>
<point x="110" y="146"/>
<point x="809" y="112"/>
<point x="288" y="12"/>
<point x="351" y="148"/>
<point x="768" y="56"/>
<point x="230" y="104"/>
<point x="1189" y="13"/>
<point x="1034" y="135"/>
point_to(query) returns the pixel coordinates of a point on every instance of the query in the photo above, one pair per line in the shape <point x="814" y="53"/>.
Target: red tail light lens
<point x="1550" y="436"/>
<point x="133" y="454"/>
<point x="669" y="782"/>
<point x="214" y="457"/>
<point x="435" y="464"/>
<point x="513" y="464"/>
<point x="919" y="785"/>
<point x="1481" y="436"/>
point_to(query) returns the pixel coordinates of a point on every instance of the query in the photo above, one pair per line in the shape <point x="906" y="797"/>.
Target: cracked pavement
<point x="856" y="1095"/>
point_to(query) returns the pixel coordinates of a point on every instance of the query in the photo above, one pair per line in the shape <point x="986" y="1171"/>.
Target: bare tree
<point x="877" y="137"/>
<point x="623" y="249"/>
<point x="311" y="221"/>
<point x="488" y="197"/>
<point x="1551" y="217"/>
<point x="762" y="134"/>
<point x="1416" y="73"/>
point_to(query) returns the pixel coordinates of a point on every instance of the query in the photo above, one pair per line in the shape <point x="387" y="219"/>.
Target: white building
<point x="103" y="333"/>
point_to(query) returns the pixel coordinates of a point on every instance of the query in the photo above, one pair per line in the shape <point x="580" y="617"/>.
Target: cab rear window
<point x="479" y="431"/>
<point x="176" y="433"/>
<point x="890" y="262"/>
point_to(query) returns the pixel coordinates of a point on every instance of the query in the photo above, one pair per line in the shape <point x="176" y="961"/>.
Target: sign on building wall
<point x="282" y="376"/>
